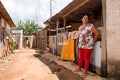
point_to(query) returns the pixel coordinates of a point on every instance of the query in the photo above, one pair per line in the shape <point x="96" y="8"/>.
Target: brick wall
<point x="113" y="37"/>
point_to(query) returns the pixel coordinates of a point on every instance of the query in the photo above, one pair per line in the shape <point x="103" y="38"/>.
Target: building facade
<point x="6" y="24"/>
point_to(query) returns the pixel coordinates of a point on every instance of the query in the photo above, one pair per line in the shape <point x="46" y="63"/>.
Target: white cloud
<point x="29" y="9"/>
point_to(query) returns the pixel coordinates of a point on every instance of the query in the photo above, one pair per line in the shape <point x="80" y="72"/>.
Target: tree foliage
<point x="28" y="27"/>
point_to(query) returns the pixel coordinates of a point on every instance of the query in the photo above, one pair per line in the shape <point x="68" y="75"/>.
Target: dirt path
<point x="61" y="72"/>
<point x="25" y="66"/>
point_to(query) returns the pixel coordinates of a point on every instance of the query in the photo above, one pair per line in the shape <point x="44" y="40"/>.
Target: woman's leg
<point x="87" y="59"/>
<point x="81" y="57"/>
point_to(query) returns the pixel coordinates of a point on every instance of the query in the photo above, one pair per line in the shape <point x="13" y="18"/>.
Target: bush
<point x="12" y="45"/>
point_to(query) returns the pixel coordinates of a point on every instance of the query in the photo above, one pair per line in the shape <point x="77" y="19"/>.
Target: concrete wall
<point x="113" y="37"/>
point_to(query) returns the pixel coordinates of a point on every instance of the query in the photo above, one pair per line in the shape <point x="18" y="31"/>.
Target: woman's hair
<point x="86" y="15"/>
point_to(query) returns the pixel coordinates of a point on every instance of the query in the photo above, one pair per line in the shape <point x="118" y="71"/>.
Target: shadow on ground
<point x="60" y="71"/>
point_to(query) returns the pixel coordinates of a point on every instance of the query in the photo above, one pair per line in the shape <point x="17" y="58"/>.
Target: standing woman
<point x="86" y="43"/>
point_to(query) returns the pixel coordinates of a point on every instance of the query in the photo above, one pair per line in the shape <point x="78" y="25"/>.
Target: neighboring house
<point x="105" y="15"/>
<point x="6" y="24"/>
<point x="17" y="35"/>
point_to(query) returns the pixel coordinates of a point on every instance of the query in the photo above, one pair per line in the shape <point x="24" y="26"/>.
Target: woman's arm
<point x="96" y="33"/>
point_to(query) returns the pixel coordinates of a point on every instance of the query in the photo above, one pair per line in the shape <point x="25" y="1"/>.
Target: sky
<point x="37" y="10"/>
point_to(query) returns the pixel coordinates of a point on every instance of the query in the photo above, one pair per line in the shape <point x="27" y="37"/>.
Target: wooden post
<point x="57" y="36"/>
<point x="49" y="37"/>
<point x="50" y="16"/>
<point x="21" y="38"/>
<point x="104" y="43"/>
<point x="64" y="24"/>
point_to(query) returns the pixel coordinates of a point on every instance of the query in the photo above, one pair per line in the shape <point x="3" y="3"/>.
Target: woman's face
<point x="85" y="19"/>
<point x="3" y="29"/>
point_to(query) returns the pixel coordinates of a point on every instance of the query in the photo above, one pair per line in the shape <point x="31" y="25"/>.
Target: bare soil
<point x="60" y="71"/>
<point x="29" y="65"/>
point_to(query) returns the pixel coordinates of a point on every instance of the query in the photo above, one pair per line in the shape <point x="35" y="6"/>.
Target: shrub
<point x="12" y="45"/>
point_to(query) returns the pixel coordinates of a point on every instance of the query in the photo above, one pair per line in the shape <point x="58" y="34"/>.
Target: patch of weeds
<point x="37" y="51"/>
<point x="37" y="55"/>
<point x="52" y="62"/>
<point x="40" y="51"/>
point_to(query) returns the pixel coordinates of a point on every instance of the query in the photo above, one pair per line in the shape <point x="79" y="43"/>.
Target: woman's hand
<point x="96" y="32"/>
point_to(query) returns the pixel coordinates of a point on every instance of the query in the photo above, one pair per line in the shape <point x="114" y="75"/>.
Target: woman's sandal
<point x="83" y="75"/>
<point x="77" y="70"/>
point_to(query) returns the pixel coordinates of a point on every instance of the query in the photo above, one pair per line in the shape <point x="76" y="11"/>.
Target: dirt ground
<point x="60" y="71"/>
<point x="28" y="65"/>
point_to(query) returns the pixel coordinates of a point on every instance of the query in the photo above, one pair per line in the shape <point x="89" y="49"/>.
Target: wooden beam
<point x="76" y="8"/>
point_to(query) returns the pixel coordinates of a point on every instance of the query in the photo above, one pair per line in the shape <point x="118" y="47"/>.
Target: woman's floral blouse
<point x="86" y="37"/>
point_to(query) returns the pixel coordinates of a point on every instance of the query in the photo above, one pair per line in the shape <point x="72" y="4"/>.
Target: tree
<point x="28" y="27"/>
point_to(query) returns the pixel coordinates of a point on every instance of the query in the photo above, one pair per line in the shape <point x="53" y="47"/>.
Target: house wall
<point x="113" y="37"/>
<point x="1" y="41"/>
<point x="52" y="44"/>
<point x="0" y="38"/>
<point x="8" y="29"/>
<point x="41" y="37"/>
<point x="4" y="24"/>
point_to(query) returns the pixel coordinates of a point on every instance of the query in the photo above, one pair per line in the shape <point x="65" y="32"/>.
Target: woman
<point x="86" y="43"/>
